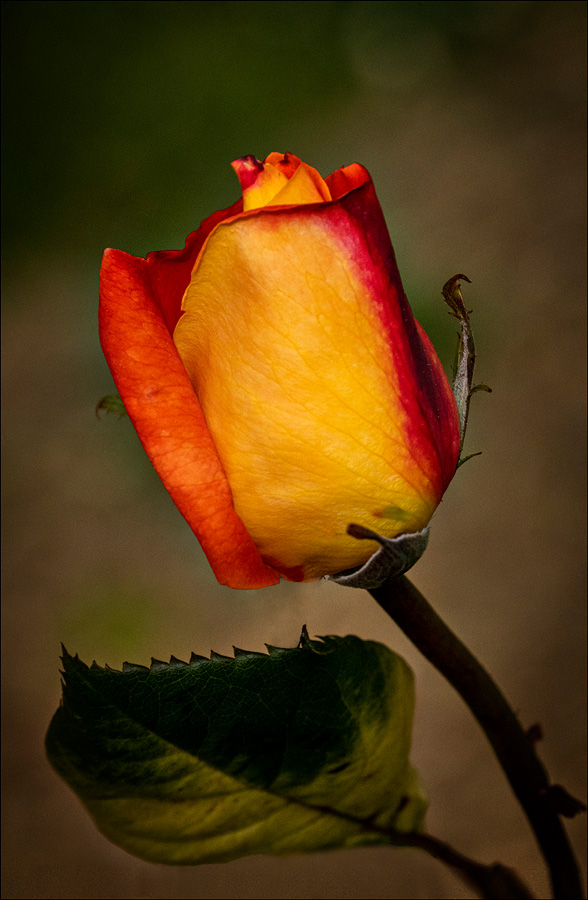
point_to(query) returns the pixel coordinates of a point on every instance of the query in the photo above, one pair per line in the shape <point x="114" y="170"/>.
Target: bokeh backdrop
<point x="120" y="121"/>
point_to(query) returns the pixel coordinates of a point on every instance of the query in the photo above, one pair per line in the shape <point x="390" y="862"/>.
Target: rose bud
<point x="278" y="380"/>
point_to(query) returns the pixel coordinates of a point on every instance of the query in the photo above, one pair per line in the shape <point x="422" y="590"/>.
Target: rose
<point x="277" y="379"/>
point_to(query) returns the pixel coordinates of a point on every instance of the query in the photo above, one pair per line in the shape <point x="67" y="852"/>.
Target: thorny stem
<point x="514" y="750"/>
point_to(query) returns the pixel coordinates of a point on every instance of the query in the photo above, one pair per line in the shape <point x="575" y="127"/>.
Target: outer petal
<point x="426" y="395"/>
<point x="344" y="180"/>
<point x="169" y="270"/>
<point x="136" y="298"/>
<point x="326" y="402"/>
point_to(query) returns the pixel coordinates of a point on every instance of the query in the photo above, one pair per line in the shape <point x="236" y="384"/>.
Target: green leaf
<point x="299" y="750"/>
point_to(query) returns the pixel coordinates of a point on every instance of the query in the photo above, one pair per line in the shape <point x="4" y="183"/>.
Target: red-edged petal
<point x="425" y="390"/>
<point x="137" y="296"/>
<point x="326" y="402"/>
<point x="346" y="179"/>
<point x="169" y="270"/>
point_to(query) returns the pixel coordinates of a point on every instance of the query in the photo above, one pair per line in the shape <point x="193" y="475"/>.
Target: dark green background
<point x="120" y="122"/>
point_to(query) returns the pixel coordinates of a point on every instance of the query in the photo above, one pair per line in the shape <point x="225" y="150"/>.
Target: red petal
<point x="137" y="296"/>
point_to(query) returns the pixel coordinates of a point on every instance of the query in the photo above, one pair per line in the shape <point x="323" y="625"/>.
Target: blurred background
<point x="121" y="119"/>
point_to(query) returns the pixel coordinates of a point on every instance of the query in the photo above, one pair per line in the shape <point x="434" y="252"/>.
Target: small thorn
<point x="563" y="803"/>
<point x="535" y="733"/>
<point x="196" y="659"/>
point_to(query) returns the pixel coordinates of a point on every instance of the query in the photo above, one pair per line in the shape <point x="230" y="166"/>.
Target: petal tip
<point x="248" y="170"/>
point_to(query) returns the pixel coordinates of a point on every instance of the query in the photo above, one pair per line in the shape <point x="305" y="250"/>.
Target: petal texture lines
<point x="161" y="402"/>
<point x="297" y="383"/>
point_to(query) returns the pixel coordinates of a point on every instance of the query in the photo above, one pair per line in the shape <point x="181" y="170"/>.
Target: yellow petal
<point x="305" y="186"/>
<point x="259" y="183"/>
<point x="269" y="184"/>
<point x="298" y="386"/>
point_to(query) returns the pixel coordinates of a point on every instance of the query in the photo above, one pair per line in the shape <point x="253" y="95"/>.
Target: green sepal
<point x="465" y="358"/>
<point x="395" y="557"/>
<point x="464" y="459"/>
<point x="111" y="404"/>
<point x="299" y="750"/>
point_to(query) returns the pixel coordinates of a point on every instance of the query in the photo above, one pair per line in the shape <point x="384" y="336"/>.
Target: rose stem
<point x="412" y="613"/>
<point x="494" y="882"/>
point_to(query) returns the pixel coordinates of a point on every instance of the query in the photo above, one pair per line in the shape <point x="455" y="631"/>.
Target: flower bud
<point x="278" y="380"/>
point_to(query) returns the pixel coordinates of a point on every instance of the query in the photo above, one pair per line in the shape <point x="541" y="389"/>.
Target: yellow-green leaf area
<point x="292" y="751"/>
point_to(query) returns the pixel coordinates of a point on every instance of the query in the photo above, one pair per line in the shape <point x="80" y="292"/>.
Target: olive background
<point x="120" y="121"/>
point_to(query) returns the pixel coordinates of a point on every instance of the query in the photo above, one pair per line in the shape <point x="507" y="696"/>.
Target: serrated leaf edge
<point x="196" y="659"/>
<point x="392" y="835"/>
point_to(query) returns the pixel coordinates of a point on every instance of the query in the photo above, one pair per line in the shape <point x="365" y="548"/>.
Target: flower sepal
<point x="395" y="557"/>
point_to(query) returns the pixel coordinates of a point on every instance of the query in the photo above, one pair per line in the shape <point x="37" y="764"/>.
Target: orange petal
<point x="285" y="162"/>
<point x="164" y="409"/>
<point x="346" y="179"/>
